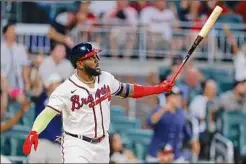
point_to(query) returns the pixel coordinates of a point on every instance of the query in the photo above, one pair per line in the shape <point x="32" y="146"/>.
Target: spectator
<point x="60" y="27"/>
<point x="139" y="5"/>
<point x="101" y="7"/>
<point x="4" y="95"/>
<point x="6" y="125"/>
<point x="235" y="99"/>
<point x="241" y="9"/>
<point x="36" y="82"/>
<point x="239" y="55"/>
<point x="208" y="6"/>
<point x="56" y="63"/>
<point x="203" y="108"/>
<point x="199" y="106"/>
<point x="14" y="65"/>
<point x="165" y="155"/>
<point x="49" y="150"/>
<point x="159" y="21"/>
<point x="118" y="153"/>
<point x="231" y="16"/>
<point x="190" y="85"/>
<point x="176" y="61"/>
<point x="124" y="21"/>
<point x="168" y="123"/>
<point x="184" y="10"/>
<point x="85" y="25"/>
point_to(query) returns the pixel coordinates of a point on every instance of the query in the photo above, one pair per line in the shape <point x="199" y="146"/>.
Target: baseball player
<point x="84" y="102"/>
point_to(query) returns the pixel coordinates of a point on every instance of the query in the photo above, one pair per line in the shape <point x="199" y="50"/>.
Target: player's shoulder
<point x="106" y="76"/>
<point x="63" y="88"/>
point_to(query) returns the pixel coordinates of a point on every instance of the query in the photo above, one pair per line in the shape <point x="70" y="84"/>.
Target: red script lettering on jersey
<point x="101" y="94"/>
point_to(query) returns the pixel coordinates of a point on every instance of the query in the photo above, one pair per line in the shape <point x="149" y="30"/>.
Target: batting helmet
<point x="82" y="51"/>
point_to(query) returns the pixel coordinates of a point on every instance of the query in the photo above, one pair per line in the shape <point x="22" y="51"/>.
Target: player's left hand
<point x="167" y="85"/>
<point x="32" y="139"/>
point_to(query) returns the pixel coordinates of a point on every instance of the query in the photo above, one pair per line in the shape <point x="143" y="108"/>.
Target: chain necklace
<point x="86" y="82"/>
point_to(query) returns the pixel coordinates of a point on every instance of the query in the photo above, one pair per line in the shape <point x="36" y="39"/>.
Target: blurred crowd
<point x="27" y="80"/>
<point x="195" y="96"/>
<point x="122" y="21"/>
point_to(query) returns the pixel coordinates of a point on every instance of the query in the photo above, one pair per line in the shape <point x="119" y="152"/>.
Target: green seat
<point x="5" y="144"/>
<point x="117" y="110"/>
<point x="242" y="137"/>
<point x="225" y="85"/>
<point x="123" y="124"/>
<point x="141" y="139"/>
<point x="111" y="128"/>
<point x="140" y="149"/>
<point x="207" y="72"/>
<point x="231" y="126"/>
<point x="29" y="117"/>
<point x="162" y="70"/>
<point x="127" y="143"/>
<point x="16" y="144"/>
<point x="16" y="138"/>
<point x="140" y="135"/>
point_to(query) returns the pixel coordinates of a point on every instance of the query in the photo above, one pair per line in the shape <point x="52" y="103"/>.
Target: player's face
<point x="91" y="66"/>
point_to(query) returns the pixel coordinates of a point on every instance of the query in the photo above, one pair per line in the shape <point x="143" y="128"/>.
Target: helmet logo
<point x="82" y="48"/>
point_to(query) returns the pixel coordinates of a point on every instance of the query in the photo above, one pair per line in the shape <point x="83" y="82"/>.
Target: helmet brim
<point x="92" y="53"/>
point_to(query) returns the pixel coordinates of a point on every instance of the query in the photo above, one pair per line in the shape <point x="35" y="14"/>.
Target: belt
<point x="91" y="140"/>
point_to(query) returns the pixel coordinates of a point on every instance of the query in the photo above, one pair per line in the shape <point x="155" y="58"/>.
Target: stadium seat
<point x="117" y="110"/>
<point x="29" y="117"/>
<point x="242" y="138"/>
<point x="140" y="149"/>
<point x="162" y="70"/>
<point x="231" y="126"/>
<point x="140" y="139"/>
<point x="140" y="135"/>
<point x="225" y="85"/>
<point x="122" y="124"/>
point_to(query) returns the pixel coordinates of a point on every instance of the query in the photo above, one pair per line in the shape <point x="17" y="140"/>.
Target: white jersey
<point x="85" y="111"/>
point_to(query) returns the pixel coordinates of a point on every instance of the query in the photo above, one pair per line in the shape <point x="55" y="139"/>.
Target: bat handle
<point x="177" y="72"/>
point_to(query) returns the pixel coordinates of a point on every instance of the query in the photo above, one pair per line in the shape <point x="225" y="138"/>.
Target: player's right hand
<point x="32" y="139"/>
<point x="167" y="86"/>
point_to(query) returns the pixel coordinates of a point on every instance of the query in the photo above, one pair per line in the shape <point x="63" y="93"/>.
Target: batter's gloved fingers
<point x="167" y="85"/>
<point x="32" y="139"/>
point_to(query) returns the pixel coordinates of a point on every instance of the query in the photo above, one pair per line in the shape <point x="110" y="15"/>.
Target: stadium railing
<point x="221" y="149"/>
<point x="34" y="36"/>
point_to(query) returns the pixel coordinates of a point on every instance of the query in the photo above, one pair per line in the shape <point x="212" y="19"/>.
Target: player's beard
<point x="92" y="71"/>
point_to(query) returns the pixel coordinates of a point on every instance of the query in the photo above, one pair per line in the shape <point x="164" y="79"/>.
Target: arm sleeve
<point x="43" y="119"/>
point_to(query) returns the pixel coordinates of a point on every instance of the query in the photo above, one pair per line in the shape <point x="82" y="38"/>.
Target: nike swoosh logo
<point x="73" y="91"/>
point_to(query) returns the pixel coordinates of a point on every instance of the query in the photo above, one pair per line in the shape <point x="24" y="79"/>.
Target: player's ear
<point x="79" y="64"/>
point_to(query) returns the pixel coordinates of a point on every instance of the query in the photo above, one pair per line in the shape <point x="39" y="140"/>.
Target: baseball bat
<point x="203" y="33"/>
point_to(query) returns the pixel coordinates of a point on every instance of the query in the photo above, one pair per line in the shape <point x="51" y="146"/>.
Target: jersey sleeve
<point x="115" y="85"/>
<point x="57" y="100"/>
